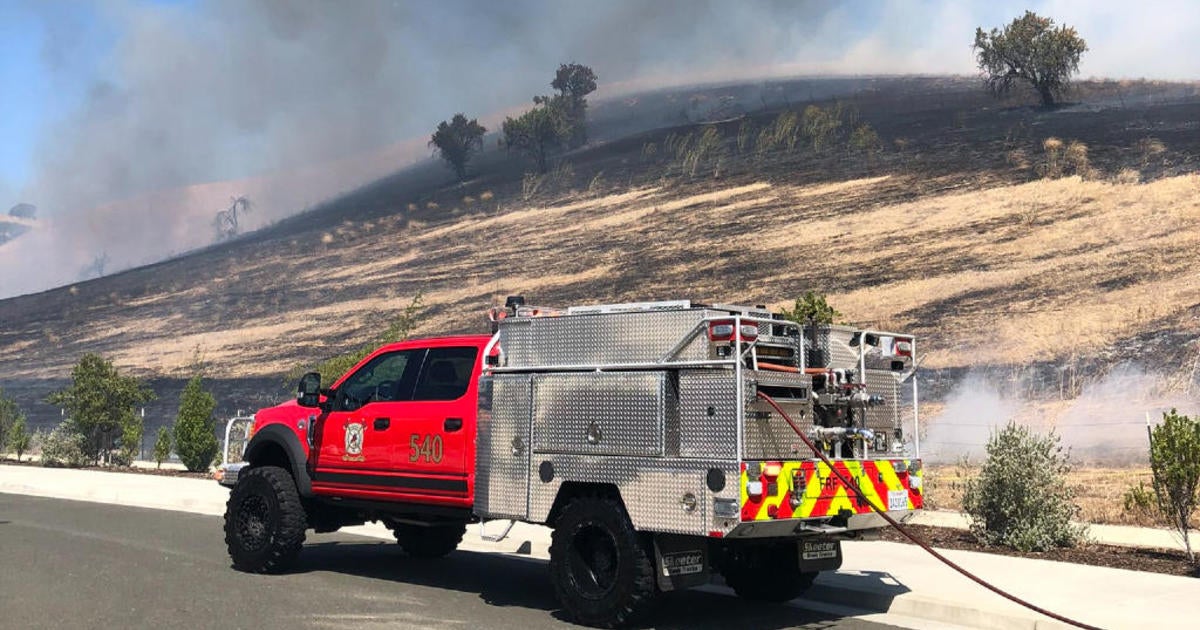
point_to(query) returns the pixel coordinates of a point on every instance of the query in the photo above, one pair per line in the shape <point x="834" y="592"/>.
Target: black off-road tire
<point x="601" y="571"/>
<point x="264" y="521"/>
<point x="433" y="541"/>
<point x="766" y="572"/>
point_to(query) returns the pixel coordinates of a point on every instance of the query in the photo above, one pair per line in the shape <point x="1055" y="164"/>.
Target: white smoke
<point x="1106" y="423"/>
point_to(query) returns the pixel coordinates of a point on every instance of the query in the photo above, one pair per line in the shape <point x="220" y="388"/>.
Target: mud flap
<point x="680" y="561"/>
<point x="820" y="554"/>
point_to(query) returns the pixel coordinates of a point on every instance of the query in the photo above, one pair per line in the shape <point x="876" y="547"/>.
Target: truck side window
<point x="446" y="374"/>
<point x="387" y="377"/>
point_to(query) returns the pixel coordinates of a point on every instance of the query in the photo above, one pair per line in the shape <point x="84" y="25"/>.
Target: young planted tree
<point x="1175" y="463"/>
<point x="101" y="405"/>
<point x="19" y="437"/>
<point x="1033" y="50"/>
<point x="195" y="438"/>
<point x="162" y="446"/>
<point x="457" y="141"/>
<point x="9" y="413"/>
<point x="574" y="82"/>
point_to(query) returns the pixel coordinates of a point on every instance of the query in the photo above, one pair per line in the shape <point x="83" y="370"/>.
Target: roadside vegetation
<point x="194" y="432"/>
<point x="1021" y="498"/>
<point x="101" y="405"/>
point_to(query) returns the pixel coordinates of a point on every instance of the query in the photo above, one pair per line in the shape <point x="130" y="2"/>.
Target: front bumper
<point x="227" y="474"/>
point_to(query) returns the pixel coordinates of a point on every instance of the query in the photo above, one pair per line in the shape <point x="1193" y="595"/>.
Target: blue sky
<point x="40" y="87"/>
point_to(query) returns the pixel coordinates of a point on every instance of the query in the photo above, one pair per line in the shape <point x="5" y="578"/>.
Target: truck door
<point x="437" y="425"/>
<point x="358" y="436"/>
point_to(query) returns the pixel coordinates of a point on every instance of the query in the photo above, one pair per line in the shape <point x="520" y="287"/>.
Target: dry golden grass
<point x="1002" y="275"/>
<point x="1099" y="491"/>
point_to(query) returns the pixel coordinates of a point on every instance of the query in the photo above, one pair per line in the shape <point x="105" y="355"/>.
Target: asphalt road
<point x="68" y="564"/>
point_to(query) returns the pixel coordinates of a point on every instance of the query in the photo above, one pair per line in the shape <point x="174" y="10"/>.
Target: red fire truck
<point x="664" y="442"/>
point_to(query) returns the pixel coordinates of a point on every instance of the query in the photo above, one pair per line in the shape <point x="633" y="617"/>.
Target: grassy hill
<point x="963" y="223"/>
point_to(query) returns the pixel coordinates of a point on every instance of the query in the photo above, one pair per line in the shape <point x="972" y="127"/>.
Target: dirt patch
<point x="158" y="472"/>
<point x="1132" y="558"/>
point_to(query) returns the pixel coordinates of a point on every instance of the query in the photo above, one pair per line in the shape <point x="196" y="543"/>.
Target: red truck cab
<point x="398" y="427"/>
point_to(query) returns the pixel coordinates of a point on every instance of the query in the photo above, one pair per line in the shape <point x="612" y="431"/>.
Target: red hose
<point x="891" y="521"/>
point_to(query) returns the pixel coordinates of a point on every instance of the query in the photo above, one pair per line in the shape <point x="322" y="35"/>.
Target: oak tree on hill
<point x="1033" y="50"/>
<point x="574" y="82"/>
<point x="536" y="132"/>
<point x="456" y="141"/>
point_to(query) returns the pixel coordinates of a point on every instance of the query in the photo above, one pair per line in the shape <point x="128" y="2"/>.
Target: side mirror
<point x="308" y="392"/>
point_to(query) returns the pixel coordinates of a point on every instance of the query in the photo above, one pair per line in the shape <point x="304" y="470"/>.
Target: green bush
<point x="18" y="437"/>
<point x="1021" y="498"/>
<point x="1175" y="464"/>
<point x="64" y="447"/>
<point x="811" y="309"/>
<point x="195" y="437"/>
<point x="9" y="412"/>
<point x="162" y="446"/>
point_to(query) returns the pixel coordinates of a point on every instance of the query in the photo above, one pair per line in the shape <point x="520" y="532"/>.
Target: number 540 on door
<point x="425" y="447"/>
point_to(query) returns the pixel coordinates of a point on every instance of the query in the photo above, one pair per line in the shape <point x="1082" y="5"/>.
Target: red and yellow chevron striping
<point x="808" y="489"/>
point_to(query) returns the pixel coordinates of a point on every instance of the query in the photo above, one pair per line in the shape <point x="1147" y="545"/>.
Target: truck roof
<point x="438" y="342"/>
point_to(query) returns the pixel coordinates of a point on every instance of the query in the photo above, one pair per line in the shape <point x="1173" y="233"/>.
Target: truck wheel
<point x="602" y="574"/>
<point x="264" y="521"/>
<point x="766" y="572"/>
<point x="432" y="541"/>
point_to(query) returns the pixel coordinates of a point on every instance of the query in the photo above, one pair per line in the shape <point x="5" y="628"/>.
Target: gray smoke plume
<point x="1106" y="423"/>
<point x="291" y="102"/>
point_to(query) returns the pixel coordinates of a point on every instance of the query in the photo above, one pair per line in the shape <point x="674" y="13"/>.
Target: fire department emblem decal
<point x="354" y="442"/>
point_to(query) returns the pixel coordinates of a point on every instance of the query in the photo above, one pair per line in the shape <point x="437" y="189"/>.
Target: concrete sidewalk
<point x="895" y="578"/>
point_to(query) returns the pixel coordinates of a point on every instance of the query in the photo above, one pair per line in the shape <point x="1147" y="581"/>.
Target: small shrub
<point x="1021" y="498"/>
<point x="64" y="447"/>
<point x="1076" y="159"/>
<point x="19" y="438"/>
<point x="821" y="125"/>
<point x="1053" y="166"/>
<point x="162" y="446"/>
<point x="810" y="309"/>
<point x="1139" y="499"/>
<point x="865" y="140"/>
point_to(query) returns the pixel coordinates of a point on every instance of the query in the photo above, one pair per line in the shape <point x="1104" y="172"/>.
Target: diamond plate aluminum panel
<point x="886" y="416"/>
<point x="841" y="354"/>
<point x="768" y="436"/>
<point x="654" y="491"/>
<point x="602" y="338"/>
<point x="599" y="413"/>
<point x="707" y="414"/>
<point x="502" y="451"/>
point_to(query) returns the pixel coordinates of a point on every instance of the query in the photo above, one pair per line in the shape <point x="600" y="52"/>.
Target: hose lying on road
<point x="891" y="521"/>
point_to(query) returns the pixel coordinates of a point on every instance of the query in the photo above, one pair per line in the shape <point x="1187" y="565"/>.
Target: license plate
<point x="897" y="500"/>
<point x="818" y="550"/>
